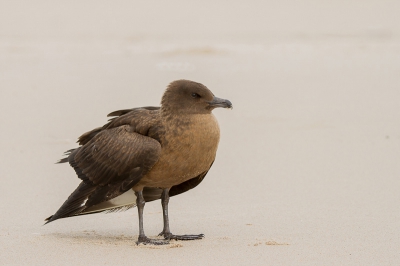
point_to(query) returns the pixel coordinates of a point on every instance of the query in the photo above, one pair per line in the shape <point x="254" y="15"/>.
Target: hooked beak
<point x="218" y="102"/>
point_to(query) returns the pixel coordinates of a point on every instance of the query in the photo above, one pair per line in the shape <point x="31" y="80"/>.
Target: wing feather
<point x="114" y="153"/>
<point x="109" y="164"/>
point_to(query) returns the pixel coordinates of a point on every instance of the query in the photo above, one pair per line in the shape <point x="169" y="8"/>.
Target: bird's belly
<point x="174" y="170"/>
<point x="183" y="160"/>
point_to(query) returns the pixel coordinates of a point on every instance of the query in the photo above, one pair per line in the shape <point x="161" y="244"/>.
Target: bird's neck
<point x="179" y="125"/>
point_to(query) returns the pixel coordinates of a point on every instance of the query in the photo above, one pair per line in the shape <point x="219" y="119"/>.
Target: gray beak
<point x="218" y="102"/>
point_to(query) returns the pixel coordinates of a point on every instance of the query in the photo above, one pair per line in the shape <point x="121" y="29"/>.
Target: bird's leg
<point x="140" y="202"/>
<point x="164" y="204"/>
<point x="166" y="231"/>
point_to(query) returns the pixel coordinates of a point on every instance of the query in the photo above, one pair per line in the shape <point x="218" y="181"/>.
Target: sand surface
<point x="308" y="168"/>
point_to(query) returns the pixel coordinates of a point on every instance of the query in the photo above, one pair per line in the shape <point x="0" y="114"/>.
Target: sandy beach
<point x="307" y="171"/>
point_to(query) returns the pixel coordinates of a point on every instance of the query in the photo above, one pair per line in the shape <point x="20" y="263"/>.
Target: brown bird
<point x="144" y="154"/>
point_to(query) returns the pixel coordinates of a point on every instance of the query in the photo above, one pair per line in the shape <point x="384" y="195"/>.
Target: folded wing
<point x="109" y="164"/>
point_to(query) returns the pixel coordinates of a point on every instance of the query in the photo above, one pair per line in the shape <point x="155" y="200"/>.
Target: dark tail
<point x="74" y="204"/>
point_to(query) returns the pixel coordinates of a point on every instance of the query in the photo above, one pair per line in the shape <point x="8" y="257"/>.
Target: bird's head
<point x="191" y="98"/>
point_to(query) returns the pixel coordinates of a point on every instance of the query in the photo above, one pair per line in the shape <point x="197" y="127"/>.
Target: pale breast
<point x="189" y="151"/>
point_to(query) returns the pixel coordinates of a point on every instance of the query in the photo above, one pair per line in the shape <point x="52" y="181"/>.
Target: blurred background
<point x="308" y="159"/>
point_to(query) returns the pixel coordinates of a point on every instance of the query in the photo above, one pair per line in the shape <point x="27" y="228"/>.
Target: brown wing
<point x="125" y="111"/>
<point x="187" y="185"/>
<point x="144" y="117"/>
<point x="113" y="153"/>
<point x="111" y="163"/>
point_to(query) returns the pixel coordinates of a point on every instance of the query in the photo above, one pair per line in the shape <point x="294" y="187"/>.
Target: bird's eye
<point x="195" y="95"/>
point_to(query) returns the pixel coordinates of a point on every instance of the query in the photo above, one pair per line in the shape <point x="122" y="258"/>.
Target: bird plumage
<point x="147" y="150"/>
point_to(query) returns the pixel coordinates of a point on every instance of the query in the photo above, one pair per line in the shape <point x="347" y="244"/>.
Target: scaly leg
<point x="166" y="231"/>
<point x="140" y="202"/>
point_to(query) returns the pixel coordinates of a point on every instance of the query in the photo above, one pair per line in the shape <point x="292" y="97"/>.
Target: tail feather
<point x="123" y="202"/>
<point x="74" y="204"/>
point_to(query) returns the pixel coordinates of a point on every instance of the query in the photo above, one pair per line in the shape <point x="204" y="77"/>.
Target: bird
<point x="145" y="154"/>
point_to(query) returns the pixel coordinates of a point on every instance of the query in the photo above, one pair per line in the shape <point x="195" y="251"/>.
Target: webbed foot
<point x="169" y="236"/>
<point x="148" y="241"/>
